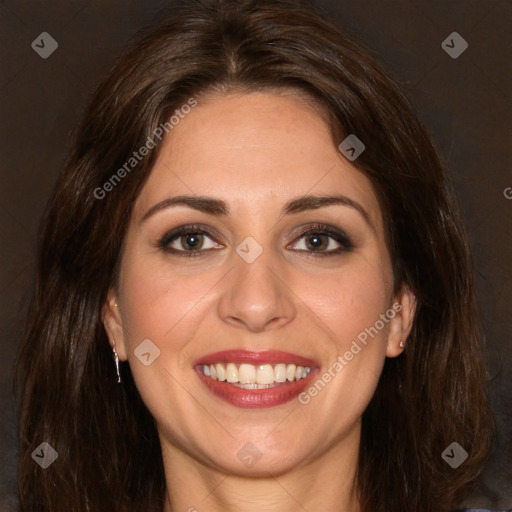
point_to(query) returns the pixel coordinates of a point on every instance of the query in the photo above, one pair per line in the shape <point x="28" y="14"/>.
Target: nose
<point x="256" y="297"/>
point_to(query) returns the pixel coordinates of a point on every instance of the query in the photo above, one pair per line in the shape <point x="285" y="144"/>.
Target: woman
<point x="254" y="289"/>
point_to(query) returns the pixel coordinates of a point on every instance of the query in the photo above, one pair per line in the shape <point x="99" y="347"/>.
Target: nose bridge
<point x="254" y="296"/>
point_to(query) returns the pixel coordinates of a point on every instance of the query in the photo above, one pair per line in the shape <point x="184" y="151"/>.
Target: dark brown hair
<point x="109" y="452"/>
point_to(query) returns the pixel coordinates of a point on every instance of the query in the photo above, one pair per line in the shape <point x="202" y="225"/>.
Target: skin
<point x="256" y="151"/>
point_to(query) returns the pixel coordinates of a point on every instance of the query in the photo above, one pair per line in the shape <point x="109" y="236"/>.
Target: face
<point x="232" y="249"/>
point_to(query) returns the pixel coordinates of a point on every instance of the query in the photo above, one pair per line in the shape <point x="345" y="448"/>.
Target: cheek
<point x="167" y="308"/>
<point x="353" y="298"/>
<point x="351" y="305"/>
<point x="159" y="300"/>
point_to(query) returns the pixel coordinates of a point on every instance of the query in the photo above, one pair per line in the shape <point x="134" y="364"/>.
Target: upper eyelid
<point x="308" y="227"/>
<point x="186" y="228"/>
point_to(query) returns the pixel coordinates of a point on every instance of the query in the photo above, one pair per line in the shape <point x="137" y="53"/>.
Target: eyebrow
<point x="219" y="207"/>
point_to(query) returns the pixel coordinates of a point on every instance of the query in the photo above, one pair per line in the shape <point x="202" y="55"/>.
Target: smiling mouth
<point x="256" y="379"/>
<point x="249" y="376"/>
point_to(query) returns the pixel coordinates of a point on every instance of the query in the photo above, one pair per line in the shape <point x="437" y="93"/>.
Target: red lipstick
<point x="278" y="394"/>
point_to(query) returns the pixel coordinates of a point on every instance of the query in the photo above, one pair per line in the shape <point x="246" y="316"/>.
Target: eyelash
<point x="316" y="229"/>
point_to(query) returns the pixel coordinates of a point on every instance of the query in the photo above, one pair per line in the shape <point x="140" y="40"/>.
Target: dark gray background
<point x="466" y="103"/>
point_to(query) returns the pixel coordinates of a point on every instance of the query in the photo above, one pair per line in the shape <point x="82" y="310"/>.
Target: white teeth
<point x="255" y="377"/>
<point x="280" y="372"/>
<point x="290" y="372"/>
<point x="265" y="374"/>
<point x="231" y="373"/>
<point x="246" y="374"/>
<point x="221" y="372"/>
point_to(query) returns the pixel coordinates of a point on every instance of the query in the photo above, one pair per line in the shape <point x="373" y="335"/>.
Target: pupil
<point x="316" y="241"/>
<point x="192" y="240"/>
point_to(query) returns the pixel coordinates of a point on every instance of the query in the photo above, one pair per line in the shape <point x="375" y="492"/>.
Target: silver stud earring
<point x="116" y="359"/>
<point x="402" y="344"/>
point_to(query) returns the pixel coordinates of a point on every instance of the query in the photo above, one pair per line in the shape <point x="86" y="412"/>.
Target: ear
<point x="404" y="305"/>
<point x="112" y="321"/>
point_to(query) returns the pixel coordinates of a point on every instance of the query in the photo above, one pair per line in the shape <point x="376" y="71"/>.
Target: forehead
<point x="254" y="150"/>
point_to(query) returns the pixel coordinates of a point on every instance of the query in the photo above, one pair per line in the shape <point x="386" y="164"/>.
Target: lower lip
<point x="257" y="398"/>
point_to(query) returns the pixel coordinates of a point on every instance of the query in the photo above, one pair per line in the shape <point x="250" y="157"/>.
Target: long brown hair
<point x="434" y="394"/>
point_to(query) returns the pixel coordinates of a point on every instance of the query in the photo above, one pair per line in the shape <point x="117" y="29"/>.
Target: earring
<point x="116" y="359"/>
<point x="402" y="344"/>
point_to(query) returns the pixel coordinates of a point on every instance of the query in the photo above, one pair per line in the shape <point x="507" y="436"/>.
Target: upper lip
<point x="255" y="357"/>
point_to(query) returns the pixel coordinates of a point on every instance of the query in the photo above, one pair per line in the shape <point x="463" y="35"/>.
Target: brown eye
<point x="322" y="240"/>
<point x="317" y="242"/>
<point x="192" y="241"/>
<point x="188" y="241"/>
